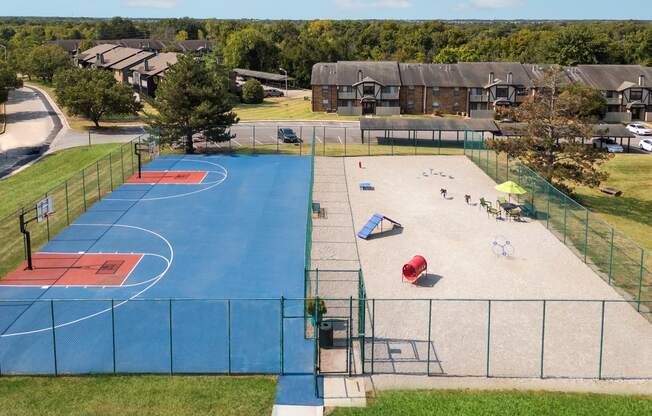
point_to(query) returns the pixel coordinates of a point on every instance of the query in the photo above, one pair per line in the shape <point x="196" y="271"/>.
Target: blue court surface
<point x="205" y="297"/>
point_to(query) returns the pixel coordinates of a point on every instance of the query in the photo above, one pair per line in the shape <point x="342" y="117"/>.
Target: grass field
<point x="137" y="395"/>
<point x="285" y="109"/>
<point x="469" y="403"/>
<point x="632" y="212"/>
<point x="28" y="185"/>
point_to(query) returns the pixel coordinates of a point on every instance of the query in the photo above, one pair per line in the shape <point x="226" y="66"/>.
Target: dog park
<point x="321" y="270"/>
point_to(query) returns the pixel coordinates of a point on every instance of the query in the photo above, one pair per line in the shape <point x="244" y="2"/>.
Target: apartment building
<point x="477" y="89"/>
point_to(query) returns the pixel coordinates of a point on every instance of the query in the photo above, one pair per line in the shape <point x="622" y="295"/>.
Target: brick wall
<point x="447" y="100"/>
<point x="416" y="95"/>
<point x="318" y="97"/>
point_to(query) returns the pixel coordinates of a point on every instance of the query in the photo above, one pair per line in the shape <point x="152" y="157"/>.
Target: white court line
<point x="338" y="138"/>
<point x="212" y="185"/>
<point x="156" y="280"/>
<point x="258" y="141"/>
<point x="317" y="138"/>
<point x="236" y="142"/>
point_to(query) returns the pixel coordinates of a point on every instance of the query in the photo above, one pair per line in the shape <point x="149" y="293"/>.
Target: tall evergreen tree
<point x="193" y="100"/>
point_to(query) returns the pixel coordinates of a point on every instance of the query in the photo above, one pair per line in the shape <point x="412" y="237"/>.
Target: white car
<point x="646" y="144"/>
<point x="609" y="144"/>
<point x="639" y="129"/>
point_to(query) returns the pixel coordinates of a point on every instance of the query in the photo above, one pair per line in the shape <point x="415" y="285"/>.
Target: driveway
<point x="32" y="124"/>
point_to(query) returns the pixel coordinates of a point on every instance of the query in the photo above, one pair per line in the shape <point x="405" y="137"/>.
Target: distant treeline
<point x="297" y="45"/>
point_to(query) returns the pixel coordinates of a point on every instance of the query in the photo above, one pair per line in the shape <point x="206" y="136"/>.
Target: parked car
<point x="639" y="129"/>
<point x="607" y="143"/>
<point x="646" y="144"/>
<point x="288" y="136"/>
<point x="273" y="92"/>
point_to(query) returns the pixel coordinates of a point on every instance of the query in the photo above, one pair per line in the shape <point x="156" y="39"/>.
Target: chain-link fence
<point x="616" y="258"/>
<point x="71" y="198"/>
<point x="330" y="140"/>
<point x="594" y="339"/>
<point x="507" y="338"/>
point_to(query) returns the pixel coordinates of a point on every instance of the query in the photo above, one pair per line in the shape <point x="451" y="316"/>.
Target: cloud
<point x="493" y="4"/>
<point x="373" y="4"/>
<point x="157" y="4"/>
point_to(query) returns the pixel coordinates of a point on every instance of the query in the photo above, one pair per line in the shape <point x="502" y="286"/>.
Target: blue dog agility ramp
<point x="373" y="223"/>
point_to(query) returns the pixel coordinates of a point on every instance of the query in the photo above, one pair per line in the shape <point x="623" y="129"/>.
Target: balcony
<point x="479" y="97"/>
<point x="346" y="95"/>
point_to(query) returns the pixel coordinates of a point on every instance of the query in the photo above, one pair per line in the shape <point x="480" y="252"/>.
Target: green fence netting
<point x="615" y="257"/>
<point x="71" y="199"/>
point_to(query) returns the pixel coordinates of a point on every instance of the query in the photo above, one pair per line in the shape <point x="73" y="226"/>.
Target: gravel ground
<point x="457" y="240"/>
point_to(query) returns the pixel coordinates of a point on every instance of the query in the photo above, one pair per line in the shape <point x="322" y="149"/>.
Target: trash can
<point x="325" y="334"/>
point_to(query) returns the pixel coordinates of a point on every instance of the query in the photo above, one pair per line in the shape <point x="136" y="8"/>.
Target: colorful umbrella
<point x="510" y="188"/>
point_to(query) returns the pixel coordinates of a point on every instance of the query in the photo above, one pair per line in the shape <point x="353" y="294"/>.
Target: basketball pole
<point x="27" y="238"/>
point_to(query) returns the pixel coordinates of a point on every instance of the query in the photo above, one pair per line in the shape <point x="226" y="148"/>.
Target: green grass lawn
<point x="137" y="395"/>
<point x="631" y="213"/>
<point x="285" y="109"/>
<point x="508" y="403"/>
<point x="30" y="184"/>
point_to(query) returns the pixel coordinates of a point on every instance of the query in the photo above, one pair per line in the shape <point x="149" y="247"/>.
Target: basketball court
<point x="223" y="237"/>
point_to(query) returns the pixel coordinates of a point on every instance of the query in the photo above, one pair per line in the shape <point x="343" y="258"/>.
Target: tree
<point x="118" y="28"/>
<point x="252" y="92"/>
<point x="45" y="60"/>
<point x="576" y="45"/>
<point x="191" y="100"/>
<point x="584" y="102"/>
<point x="93" y="94"/>
<point x="249" y="48"/>
<point x="8" y="80"/>
<point x="552" y="143"/>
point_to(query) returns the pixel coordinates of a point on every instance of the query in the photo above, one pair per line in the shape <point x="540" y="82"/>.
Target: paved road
<point x="36" y="126"/>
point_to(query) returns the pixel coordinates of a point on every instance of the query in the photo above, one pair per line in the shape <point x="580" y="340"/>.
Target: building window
<point x="636" y="95"/>
<point x="610" y="94"/>
<point x="435" y="105"/>
<point x="521" y="91"/>
<point x="387" y="90"/>
<point x="324" y="103"/>
<point x="344" y="103"/>
<point x="502" y="92"/>
<point x="368" y="90"/>
<point x="456" y="107"/>
<point x="346" y="88"/>
<point x="477" y="91"/>
<point x="410" y="104"/>
<point x="456" y="92"/>
<point x="325" y="89"/>
<point x="435" y="92"/>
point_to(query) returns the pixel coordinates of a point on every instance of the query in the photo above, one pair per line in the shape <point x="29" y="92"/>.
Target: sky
<point x="336" y="9"/>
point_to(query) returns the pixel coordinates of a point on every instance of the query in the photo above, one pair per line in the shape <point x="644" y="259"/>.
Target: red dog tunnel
<point x="413" y="269"/>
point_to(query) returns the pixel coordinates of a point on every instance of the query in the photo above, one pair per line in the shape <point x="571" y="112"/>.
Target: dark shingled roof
<point x="350" y="72"/>
<point x="324" y="73"/>
<point x="609" y="77"/>
<point x="427" y="124"/>
<point x="476" y="74"/>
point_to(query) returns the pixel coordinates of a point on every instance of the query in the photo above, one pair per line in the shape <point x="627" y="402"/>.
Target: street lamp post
<point x="286" y="81"/>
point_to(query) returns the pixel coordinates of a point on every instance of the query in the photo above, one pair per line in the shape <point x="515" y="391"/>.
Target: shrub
<point x="252" y="92"/>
